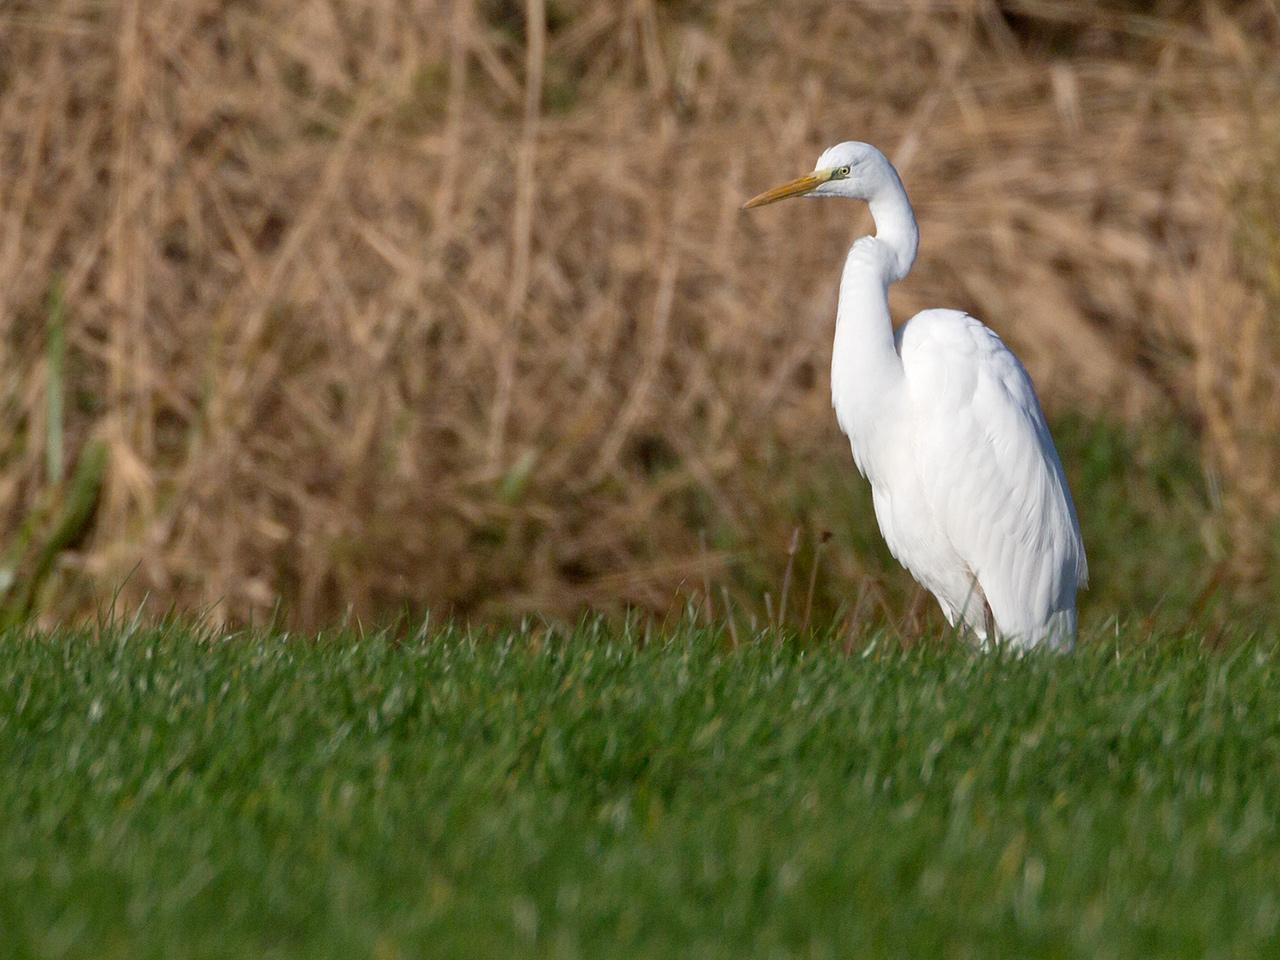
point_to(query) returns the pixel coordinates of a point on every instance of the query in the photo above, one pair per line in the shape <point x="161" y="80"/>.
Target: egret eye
<point x="842" y="173"/>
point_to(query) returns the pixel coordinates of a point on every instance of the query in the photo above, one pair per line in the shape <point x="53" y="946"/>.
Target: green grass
<point x="172" y="794"/>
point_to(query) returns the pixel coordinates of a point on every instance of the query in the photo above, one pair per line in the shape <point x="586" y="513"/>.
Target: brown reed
<point x="376" y="302"/>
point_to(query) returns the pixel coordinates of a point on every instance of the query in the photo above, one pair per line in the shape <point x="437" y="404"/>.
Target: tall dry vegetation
<point x="374" y="302"/>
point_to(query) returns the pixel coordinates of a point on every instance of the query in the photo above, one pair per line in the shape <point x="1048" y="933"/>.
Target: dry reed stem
<point x="450" y="303"/>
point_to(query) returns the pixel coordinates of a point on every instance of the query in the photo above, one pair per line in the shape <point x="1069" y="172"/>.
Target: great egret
<point x="944" y="422"/>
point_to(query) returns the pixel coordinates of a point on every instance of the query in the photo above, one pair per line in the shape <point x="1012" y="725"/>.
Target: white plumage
<point x="944" y="422"/>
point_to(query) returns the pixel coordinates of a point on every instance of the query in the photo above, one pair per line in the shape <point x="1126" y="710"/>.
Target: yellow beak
<point x="792" y="188"/>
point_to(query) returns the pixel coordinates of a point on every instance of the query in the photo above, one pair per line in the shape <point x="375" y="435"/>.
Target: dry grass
<point x="376" y="301"/>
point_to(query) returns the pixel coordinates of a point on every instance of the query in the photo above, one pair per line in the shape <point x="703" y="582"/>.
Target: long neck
<point x="895" y="224"/>
<point x="865" y="366"/>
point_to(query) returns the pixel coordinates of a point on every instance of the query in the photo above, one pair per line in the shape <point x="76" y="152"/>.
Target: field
<point x="621" y="792"/>
<point x="313" y="307"/>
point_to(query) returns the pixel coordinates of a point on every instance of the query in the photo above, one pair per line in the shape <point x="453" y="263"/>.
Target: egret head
<point x="851" y="169"/>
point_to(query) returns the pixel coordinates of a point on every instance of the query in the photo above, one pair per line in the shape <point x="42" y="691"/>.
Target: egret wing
<point x="990" y="473"/>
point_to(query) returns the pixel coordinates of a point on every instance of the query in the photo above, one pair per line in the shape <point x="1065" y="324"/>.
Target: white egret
<point x="945" y="424"/>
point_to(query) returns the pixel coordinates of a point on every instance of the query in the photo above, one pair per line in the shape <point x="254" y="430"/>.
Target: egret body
<point x="944" y="422"/>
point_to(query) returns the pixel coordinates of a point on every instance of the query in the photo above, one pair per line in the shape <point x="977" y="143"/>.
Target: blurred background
<point x="320" y="308"/>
